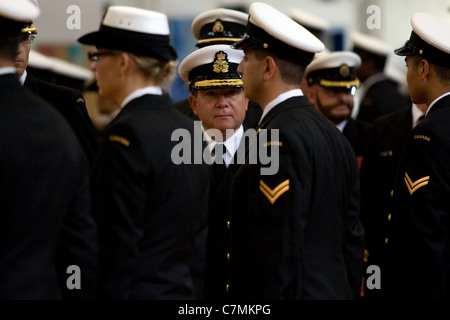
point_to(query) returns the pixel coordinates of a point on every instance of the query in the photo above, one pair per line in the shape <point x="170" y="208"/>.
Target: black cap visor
<point x="417" y="46"/>
<point x="247" y="43"/>
<point x="407" y="50"/>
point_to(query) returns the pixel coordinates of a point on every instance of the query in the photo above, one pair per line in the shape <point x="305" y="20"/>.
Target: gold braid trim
<point x="218" y="83"/>
<point x="347" y="84"/>
<point x="219" y="39"/>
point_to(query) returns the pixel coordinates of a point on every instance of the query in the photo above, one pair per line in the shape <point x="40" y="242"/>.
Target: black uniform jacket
<point x="418" y="264"/>
<point x="378" y="171"/>
<point x="381" y="98"/>
<point x="218" y="246"/>
<point x="357" y="133"/>
<point x="47" y="224"/>
<point x="150" y="209"/>
<point x="71" y="104"/>
<point x="296" y="234"/>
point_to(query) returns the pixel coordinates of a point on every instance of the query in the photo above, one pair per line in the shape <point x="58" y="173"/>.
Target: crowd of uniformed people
<point x="362" y="173"/>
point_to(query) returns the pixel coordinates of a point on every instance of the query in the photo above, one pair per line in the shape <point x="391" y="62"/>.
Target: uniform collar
<point x="282" y="97"/>
<point x="141" y="92"/>
<point x="434" y="102"/>
<point x="231" y="144"/>
<point x="7" y="70"/>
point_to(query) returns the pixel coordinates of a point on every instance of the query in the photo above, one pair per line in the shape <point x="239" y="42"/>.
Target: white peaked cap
<point x="39" y="61"/>
<point x="334" y="59"/>
<point x="212" y="66"/>
<point x="309" y="20"/>
<point x="210" y="16"/>
<point x="137" y="20"/>
<point x="275" y="32"/>
<point x="139" y="31"/>
<point x="429" y="39"/>
<point x="283" y="28"/>
<point x="334" y="69"/>
<point x="71" y="70"/>
<point x="432" y="30"/>
<point x="19" y="10"/>
<point x="371" y="44"/>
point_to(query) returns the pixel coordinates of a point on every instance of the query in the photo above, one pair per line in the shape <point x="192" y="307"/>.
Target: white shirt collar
<point x="436" y="100"/>
<point x="282" y="97"/>
<point x="231" y="144"/>
<point x="23" y="77"/>
<point x="7" y="70"/>
<point x="141" y="92"/>
<point x="416" y="114"/>
<point x="341" y="125"/>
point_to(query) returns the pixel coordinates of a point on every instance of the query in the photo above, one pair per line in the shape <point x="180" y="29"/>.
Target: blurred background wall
<point x="62" y="22"/>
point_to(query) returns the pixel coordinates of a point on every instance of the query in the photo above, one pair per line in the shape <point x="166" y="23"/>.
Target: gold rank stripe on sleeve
<point x="273" y="195"/>
<point x="122" y="140"/>
<point x="413" y="186"/>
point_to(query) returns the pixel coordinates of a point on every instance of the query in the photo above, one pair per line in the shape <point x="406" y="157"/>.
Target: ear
<point x="124" y="62"/>
<point x="193" y="103"/>
<point x="310" y="93"/>
<point x="424" y="68"/>
<point x="269" y="66"/>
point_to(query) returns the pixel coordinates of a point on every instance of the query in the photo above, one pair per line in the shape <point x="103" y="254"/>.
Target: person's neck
<point x="131" y="85"/>
<point x="273" y="91"/>
<point x="436" y="90"/>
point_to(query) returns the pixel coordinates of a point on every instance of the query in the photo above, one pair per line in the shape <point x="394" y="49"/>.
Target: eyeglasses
<point x="95" y="56"/>
<point x="27" y="38"/>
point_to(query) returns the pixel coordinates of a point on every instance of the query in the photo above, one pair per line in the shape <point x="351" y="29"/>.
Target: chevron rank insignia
<point x="413" y="186"/>
<point x="274" y="194"/>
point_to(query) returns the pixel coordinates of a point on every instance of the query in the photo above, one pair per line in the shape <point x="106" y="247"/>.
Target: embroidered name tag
<point x="385" y="154"/>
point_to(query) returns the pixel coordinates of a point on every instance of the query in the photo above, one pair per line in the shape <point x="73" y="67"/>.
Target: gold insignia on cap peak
<point x="220" y="64"/>
<point x="218" y="26"/>
<point x="344" y="70"/>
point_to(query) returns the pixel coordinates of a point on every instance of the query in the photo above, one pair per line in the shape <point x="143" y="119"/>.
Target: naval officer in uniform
<point x="418" y="261"/>
<point x="220" y="26"/>
<point x="150" y="210"/>
<point x="295" y="232"/>
<point x="217" y="97"/>
<point x="379" y="94"/>
<point x="47" y="225"/>
<point x="68" y="101"/>
<point x="331" y="83"/>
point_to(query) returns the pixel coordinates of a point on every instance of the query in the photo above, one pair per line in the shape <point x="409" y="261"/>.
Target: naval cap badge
<point x="220" y="64"/>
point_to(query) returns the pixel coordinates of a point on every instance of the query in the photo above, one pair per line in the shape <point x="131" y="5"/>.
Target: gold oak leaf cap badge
<point x="220" y="64"/>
